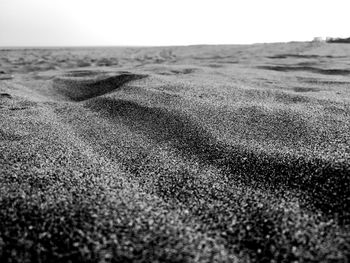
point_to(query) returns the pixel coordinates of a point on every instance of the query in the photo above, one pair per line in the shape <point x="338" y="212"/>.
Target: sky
<point x="169" y="22"/>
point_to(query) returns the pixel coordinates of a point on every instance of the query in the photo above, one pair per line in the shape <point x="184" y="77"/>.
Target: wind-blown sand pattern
<point x="175" y="154"/>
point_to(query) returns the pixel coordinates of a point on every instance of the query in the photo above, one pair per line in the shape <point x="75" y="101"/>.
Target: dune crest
<point x="82" y="85"/>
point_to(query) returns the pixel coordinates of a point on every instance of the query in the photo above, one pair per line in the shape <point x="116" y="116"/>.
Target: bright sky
<point x="169" y="22"/>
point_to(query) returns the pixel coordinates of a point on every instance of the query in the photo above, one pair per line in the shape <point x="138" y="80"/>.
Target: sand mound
<point x="81" y="85"/>
<point x="327" y="188"/>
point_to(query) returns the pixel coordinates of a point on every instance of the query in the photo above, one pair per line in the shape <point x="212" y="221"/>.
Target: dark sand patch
<point x="215" y="65"/>
<point x="5" y="95"/>
<point x="322" y="81"/>
<point x="17" y="108"/>
<point x="343" y="72"/>
<point x="306" y="89"/>
<point x="5" y="76"/>
<point x="303" y="56"/>
<point x="183" y="71"/>
<point x="82" y="85"/>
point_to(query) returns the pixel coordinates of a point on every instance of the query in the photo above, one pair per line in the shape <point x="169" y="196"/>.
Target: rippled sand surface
<point x="175" y="154"/>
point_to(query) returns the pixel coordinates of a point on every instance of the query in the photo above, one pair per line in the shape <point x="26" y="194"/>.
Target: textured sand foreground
<point x="175" y="154"/>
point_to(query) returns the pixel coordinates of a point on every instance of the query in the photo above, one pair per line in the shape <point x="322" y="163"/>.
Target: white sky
<point x="165" y="22"/>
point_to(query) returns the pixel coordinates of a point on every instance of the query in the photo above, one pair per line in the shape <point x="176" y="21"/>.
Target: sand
<point x="175" y="154"/>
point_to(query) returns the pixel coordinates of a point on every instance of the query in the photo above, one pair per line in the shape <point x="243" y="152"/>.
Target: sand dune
<point x="181" y="154"/>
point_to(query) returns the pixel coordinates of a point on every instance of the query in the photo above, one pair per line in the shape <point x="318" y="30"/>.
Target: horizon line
<point x="141" y="46"/>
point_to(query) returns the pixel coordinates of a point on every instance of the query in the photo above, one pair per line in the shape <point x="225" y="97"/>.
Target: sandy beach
<point x="237" y="153"/>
